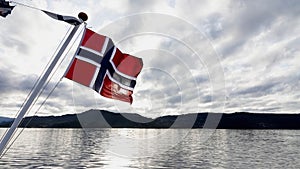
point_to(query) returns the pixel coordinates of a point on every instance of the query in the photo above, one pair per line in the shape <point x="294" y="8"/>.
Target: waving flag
<point x="5" y="8"/>
<point x="69" y="19"/>
<point x="98" y="64"/>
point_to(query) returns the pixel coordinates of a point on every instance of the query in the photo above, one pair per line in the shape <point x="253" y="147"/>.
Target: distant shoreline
<point x="105" y="119"/>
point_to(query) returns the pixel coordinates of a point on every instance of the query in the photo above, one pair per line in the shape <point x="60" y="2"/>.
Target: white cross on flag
<point x="100" y="65"/>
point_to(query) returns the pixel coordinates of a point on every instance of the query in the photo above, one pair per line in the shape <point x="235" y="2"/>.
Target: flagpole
<point x="35" y="92"/>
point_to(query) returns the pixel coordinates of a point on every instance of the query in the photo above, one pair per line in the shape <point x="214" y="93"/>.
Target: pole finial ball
<point x="83" y="16"/>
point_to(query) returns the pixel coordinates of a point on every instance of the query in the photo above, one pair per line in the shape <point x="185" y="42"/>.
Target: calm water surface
<point x="147" y="148"/>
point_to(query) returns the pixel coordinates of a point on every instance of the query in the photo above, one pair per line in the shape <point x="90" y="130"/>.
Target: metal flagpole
<point x="35" y="92"/>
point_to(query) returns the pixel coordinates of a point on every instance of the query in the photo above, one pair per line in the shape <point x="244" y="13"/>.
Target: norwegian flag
<point x="5" y="8"/>
<point x="69" y="19"/>
<point x="98" y="64"/>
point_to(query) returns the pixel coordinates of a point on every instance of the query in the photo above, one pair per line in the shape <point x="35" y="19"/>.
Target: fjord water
<point x="98" y="148"/>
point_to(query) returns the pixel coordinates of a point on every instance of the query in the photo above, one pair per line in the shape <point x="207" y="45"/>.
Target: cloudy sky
<point x="199" y="56"/>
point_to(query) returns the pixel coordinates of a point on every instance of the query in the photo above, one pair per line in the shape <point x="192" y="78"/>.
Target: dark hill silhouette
<point x="106" y="119"/>
<point x="5" y="119"/>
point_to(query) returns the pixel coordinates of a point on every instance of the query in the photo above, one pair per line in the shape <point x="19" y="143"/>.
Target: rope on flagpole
<point x="25" y="5"/>
<point x="52" y="90"/>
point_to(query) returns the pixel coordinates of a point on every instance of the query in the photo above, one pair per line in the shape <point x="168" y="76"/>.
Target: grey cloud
<point x="272" y="85"/>
<point x="12" y="42"/>
<point x="253" y="18"/>
<point x="15" y="87"/>
<point x="213" y="25"/>
<point x="261" y="89"/>
<point x="11" y="82"/>
<point x="206" y="99"/>
<point x="283" y="54"/>
<point x="175" y="99"/>
<point x="136" y="5"/>
<point x="4" y="82"/>
<point x="201" y="79"/>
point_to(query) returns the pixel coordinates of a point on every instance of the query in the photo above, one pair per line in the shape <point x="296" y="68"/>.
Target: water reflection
<point x="96" y="148"/>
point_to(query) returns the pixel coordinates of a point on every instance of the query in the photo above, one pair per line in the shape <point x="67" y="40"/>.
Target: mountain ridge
<point x="106" y="119"/>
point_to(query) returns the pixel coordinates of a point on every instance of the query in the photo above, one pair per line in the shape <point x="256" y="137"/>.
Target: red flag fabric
<point x="112" y="89"/>
<point x="98" y="64"/>
<point x="81" y="72"/>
